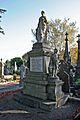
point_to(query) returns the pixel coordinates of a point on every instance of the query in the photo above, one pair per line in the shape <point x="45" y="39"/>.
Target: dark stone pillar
<point x="66" y="52"/>
<point x="78" y="59"/>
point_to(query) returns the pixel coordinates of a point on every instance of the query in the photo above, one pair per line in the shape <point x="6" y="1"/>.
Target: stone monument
<point x="1" y="69"/>
<point x="66" y="52"/>
<point x="40" y="83"/>
<point x="66" y="69"/>
<point x="39" y="58"/>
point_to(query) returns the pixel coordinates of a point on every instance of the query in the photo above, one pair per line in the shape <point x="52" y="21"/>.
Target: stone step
<point x="34" y="102"/>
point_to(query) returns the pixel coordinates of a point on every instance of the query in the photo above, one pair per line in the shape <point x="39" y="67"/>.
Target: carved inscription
<point x="36" y="64"/>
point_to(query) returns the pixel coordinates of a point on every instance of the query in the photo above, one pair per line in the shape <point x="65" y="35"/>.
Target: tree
<point x="18" y="61"/>
<point x="57" y="30"/>
<point x="73" y="54"/>
<point x="2" y="11"/>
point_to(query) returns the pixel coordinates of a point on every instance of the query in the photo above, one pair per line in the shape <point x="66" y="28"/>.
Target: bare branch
<point x="2" y="10"/>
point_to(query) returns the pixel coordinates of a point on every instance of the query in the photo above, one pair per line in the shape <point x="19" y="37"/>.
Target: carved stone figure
<point x="53" y="67"/>
<point x="42" y="29"/>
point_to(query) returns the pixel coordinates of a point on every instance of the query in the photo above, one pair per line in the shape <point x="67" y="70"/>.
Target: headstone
<point x="6" y="70"/>
<point x="64" y="75"/>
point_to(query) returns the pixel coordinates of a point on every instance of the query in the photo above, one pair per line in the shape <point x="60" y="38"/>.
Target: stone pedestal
<point x="39" y="83"/>
<point x="37" y="78"/>
<point x="54" y="88"/>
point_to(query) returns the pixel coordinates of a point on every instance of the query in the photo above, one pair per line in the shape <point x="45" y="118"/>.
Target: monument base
<point x="36" y="81"/>
<point x="54" y="88"/>
<point x="34" y="102"/>
<point x="36" y="85"/>
<point x="39" y="83"/>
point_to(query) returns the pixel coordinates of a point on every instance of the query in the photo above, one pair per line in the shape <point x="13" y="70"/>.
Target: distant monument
<point x="42" y="29"/>
<point x="15" y="66"/>
<point x="1" y="68"/>
<point x="66" y="52"/>
<point x="22" y="71"/>
<point x="66" y="69"/>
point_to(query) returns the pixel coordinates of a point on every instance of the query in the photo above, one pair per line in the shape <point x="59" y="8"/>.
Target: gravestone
<point x="15" y="67"/>
<point x="64" y="75"/>
<point x="36" y="82"/>
<point x="39" y="82"/>
<point x="39" y="57"/>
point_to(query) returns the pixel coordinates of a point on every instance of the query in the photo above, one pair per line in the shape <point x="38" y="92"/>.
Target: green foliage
<point x="77" y="80"/>
<point x="17" y="72"/>
<point x="57" y="30"/>
<point x="18" y="61"/>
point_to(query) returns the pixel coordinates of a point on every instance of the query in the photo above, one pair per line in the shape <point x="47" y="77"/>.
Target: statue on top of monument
<point x="42" y="29"/>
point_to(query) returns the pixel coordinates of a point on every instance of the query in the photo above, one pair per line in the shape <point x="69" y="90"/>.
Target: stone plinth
<point x="36" y="85"/>
<point x="54" y="87"/>
<point x="36" y="82"/>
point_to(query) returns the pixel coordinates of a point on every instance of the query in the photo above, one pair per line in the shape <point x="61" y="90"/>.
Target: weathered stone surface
<point x="37" y="78"/>
<point x="36" y="89"/>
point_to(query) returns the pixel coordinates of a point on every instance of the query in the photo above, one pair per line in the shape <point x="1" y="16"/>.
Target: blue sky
<point x="22" y="16"/>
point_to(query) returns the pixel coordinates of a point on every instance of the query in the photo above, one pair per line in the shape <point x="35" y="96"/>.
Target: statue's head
<point x="42" y="13"/>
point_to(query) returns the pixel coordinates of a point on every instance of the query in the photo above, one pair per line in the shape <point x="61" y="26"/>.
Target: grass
<point x="77" y="80"/>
